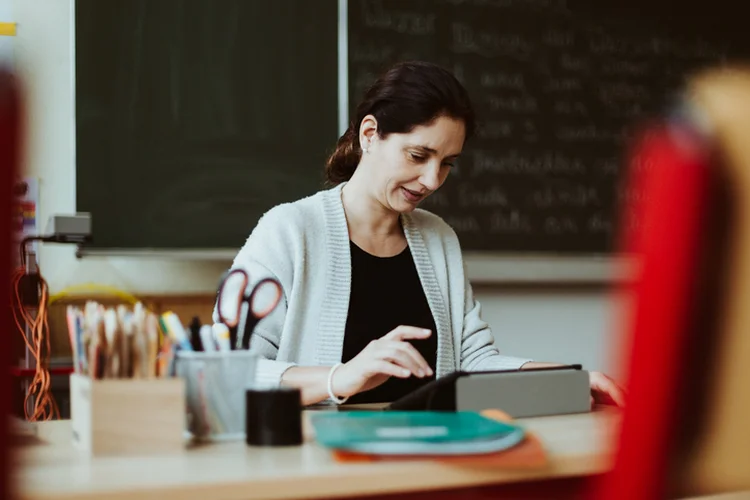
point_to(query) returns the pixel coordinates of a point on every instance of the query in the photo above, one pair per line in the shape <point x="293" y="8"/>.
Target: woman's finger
<point x="616" y="393"/>
<point x="386" y="368"/>
<point x="395" y="352"/>
<point x="404" y="332"/>
<point x="604" y="385"/>
<point x="416" y="356"/>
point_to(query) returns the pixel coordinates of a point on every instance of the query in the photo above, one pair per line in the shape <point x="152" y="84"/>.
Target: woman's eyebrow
<point x="429" y="150"/>
<point x="424" y="149"/>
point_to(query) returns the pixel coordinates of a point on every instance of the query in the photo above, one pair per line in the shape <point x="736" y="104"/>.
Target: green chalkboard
<point x="193" y="117"/>
<point x="560" y="87"/>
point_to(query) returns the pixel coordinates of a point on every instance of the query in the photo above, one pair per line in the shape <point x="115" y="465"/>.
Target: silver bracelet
<point x="331" y="395"/>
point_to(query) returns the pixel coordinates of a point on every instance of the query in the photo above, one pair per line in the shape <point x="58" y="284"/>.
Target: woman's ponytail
<point x="344" y="160"/>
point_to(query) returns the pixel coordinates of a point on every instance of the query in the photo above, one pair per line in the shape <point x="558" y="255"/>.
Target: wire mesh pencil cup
<point x="215" y="392"/>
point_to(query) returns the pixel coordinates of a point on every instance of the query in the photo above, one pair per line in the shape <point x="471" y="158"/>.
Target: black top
<point x="385" y="293"/>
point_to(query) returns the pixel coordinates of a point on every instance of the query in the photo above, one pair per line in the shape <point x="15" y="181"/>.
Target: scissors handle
<point x="232" y="287"/>
<point x="253" y="317"/>
<point x="272" y="304"/>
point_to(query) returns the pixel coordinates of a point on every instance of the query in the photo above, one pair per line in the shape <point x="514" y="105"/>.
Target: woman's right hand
<point x="388" y="356"/>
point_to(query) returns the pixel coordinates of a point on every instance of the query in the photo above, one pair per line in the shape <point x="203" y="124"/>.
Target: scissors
<point x="233" y="294"/>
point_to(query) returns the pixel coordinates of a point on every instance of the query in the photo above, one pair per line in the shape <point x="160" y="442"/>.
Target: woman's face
<point x="404" y="169"/>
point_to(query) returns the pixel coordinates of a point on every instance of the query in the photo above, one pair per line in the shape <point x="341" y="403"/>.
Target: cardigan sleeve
<point x="267" y="253"/>
<point x="478" y="350"/>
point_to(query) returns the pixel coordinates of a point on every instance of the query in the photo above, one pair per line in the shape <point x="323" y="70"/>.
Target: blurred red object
<point x="664" y="231"/>
<point x="10" y="138"/>
<point x="684" y="429"/>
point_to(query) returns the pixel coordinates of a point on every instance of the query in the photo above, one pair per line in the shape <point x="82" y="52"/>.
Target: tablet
<point x="519" y="393"/>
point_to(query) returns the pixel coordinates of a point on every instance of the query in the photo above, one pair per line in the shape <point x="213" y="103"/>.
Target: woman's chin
<point x="403" y="207"/>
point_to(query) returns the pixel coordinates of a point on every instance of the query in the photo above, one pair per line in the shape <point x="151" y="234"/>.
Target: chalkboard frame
<point x="482" y="268"/>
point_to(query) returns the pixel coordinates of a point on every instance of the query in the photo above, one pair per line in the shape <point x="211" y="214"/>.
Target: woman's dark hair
<point x="407" y="95"/>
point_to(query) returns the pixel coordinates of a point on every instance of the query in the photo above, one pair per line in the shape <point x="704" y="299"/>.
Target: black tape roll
<point x="273" y="417"/>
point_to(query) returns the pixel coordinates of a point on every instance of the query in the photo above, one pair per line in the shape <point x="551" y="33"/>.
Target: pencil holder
<point x="216" y="383"/>
<point x="112" y="417"/>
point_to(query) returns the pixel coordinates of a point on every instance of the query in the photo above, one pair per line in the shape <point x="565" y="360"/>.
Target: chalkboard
<point x="193" y="117"/>
<point x="560" y="87"/>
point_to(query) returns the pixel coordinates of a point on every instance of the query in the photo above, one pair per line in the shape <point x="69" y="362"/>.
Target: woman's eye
<point x="449" y="164"/>
<point x="417" y="157"/>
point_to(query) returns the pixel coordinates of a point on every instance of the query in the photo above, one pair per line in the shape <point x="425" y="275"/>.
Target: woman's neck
<point x="372" y="226"/>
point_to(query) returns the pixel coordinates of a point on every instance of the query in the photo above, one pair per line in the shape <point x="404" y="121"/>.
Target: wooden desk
<point x="578" y="445"/>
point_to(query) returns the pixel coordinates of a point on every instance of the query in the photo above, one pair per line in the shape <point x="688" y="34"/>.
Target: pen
<point x="80" y="342"/>
<point x="221" y="336"/>
<point x="196" y="340"/>
<point x="163" y="358"/>
<point x="207" y="338"/>
<point x="98" y="347"/>
<point x="112" y="344"/>
<point x="73" y="334"/>
<point x="152" y="341"/>
<point x="171" y="325"/>
<point x="125" y="326"/>
<point x="140" y="343"/>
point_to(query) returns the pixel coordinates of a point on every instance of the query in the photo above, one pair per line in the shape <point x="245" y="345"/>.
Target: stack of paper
<point x="415" y="433"/>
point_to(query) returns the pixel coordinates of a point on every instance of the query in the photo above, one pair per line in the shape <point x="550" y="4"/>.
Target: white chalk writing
<point x="370" y="52"/>
<point x="512" y="162"/>
<point x="588" y="133"/>
<point x="560" y="225"/>
<point x="498" y="79"/>
<point x="559" y="38"/>
<point x="576" y="196"/>
<point x="469" y="196"/>
<point x="564" y="84"/>
<point x="571" y="108"/>
<point x="463" y="224"/>
<point x="495" y="129"/>
<point x="510" y="223"/>
<point x="468" y="40"/>
<point x="574" y="63"/>
<point x="531" y="4"/>
<point x="598" y="223"/>
<point x="516" y="104"/>
<point x="400" y="21"/>
<point x="437" y="199"/>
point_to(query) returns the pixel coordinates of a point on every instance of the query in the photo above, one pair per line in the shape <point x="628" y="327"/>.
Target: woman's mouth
<point x="412" y="196"/>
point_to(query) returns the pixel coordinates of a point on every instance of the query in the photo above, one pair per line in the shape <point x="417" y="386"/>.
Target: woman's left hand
<point x="605" y="391"/>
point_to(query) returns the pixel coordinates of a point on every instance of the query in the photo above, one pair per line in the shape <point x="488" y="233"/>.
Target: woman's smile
<point x="413" y="196"/>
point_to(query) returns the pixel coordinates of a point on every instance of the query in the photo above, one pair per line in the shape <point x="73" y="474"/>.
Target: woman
<point x="376" y="302"/>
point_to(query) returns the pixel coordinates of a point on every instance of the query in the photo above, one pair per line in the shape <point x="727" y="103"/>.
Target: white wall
<point x="551" y="325"/>
<point x="570" y="326"/>
<point x="6" y="42"/>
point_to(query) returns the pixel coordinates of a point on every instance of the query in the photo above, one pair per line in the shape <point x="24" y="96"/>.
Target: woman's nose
<point x="430" y="177"/>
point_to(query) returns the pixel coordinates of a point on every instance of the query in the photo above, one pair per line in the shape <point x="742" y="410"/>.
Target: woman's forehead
<point x="441" y="133"/>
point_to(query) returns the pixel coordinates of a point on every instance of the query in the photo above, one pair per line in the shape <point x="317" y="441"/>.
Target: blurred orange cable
<point x="44" y="406"/>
